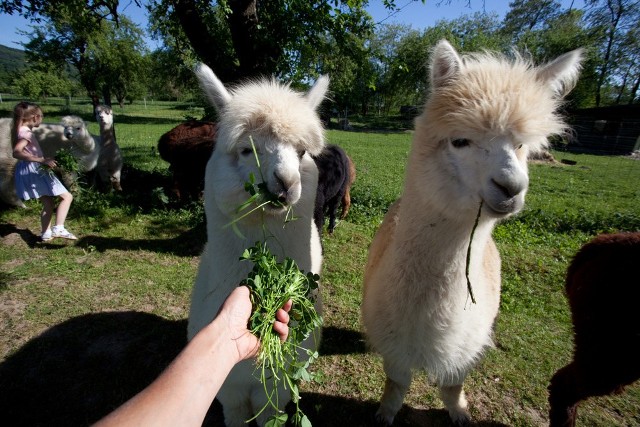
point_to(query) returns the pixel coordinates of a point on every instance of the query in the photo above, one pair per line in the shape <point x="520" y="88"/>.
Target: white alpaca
<point x="85" y="148"/>
<point x="109" y="166"/>
<point x="70" y="134"/>
<point x="483" y="116"/>
<point x="286" y="131"/>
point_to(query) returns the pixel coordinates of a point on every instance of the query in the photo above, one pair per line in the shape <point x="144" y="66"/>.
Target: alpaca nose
<point x="286" y="187"/>
<point x="282" y="189"/>
<point x="509" y="188"/>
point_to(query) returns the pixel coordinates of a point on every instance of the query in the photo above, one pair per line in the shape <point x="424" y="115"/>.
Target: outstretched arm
<point x="182" y="394"/>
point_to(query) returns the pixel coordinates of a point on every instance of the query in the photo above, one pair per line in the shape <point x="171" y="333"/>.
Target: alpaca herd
<point x="188" y="147"/>
<point x="432" y="280"/>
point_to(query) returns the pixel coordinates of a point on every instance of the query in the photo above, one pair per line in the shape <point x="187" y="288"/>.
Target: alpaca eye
<point x="460" y="142"/>
<point x="519" y="147"/>
<point x="246" y="151"/>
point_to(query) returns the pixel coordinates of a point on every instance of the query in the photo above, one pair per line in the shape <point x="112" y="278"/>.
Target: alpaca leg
<point x="563" y="397"/>
<point x="333" y="207"/>
<point x="236" y="413"/>
<point x="395" y="388"/>
<point x="346" y="204"/>
<point x="456" y="403"/>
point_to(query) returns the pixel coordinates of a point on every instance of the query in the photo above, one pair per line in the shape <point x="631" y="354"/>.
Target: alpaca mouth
<point x="272" y="202"/>
<point x="502" y="208"/>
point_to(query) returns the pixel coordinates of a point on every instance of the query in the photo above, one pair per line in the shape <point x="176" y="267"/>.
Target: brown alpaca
<point x="603" y="293"/>
<point x="187" y="148"/>
<point x="346" y="199"/>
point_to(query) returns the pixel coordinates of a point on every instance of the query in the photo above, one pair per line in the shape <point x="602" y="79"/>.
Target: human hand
<point x="235" y="313"/>
<point x="49" y="162"/>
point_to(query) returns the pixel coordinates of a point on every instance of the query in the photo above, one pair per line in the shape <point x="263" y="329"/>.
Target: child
<point x="34" y="181"/>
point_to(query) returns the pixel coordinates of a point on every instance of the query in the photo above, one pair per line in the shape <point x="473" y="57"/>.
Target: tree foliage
<point x="108" y="57"/>
<point x="373" y="68"/>
<point x="615" y="23"/>
<point x="37" y="83"/>
<point x="268" y="37"/>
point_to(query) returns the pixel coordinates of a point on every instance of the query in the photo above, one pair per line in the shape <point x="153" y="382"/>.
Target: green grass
<point x="136" y="253"/>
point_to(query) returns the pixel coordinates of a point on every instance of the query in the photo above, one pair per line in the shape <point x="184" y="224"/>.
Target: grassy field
<point x="84" y="325"/>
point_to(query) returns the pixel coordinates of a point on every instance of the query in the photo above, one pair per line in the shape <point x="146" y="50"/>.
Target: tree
<point x="35" y="83"/>
<point x="352" y="79"/>
<point x="36" y="9"/>
<point x="115" y="60"/>
<point x="613" y="19"/>
<point x="271" y="37"/>
<point x="525" y="16"/>
<point x="107" y="56"/>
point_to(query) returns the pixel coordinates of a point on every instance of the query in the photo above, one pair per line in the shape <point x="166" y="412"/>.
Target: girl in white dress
<point x="34" y="181"/>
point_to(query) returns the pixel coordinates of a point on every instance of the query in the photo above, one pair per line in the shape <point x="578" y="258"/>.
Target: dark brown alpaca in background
<point x="603" y="290"/>
<point x="187" y="148"/>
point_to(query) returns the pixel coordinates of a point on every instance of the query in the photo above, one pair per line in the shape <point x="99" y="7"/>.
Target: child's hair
<point x="22" y="112"/>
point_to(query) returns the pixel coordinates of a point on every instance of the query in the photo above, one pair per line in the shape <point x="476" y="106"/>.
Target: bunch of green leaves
<point x="272" y="284"/>
<point x="66" y="161"/>
<point x="259" y="197"/>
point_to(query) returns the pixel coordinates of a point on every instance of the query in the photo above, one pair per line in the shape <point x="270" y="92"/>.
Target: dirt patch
<point x="11" y="308"/>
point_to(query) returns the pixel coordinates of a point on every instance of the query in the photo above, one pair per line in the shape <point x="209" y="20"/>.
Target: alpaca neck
<point x="107" y="134"/>
<point x="439" y="235"/>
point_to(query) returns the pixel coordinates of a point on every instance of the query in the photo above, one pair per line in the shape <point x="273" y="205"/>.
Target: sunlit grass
<point x="137" y="253"/>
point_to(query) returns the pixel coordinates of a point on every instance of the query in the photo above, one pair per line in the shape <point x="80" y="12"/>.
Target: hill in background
<point x="11" y="60"/>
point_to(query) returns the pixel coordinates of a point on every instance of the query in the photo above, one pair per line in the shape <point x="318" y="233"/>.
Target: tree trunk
<point x="256" y="55"/>
<point x="198" y="34"/>
<point x="615" y="14"/>
<point x="106" y="95"/>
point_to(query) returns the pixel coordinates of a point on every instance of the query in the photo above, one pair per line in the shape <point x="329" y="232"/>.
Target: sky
<point x="412" y="12"/>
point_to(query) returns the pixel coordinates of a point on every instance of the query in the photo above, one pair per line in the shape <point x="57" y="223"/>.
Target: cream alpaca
<point x="286" y="131"/>
<point x="483" y="116"/>
<point x="109" y="167"/>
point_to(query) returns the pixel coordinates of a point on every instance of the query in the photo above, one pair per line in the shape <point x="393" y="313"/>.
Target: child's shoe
<point x="63" y="233"/>
<point x="46" y="236"/>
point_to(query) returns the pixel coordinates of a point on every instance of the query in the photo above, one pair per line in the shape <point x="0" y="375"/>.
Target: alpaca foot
<point x="382" y="420"/>
<point x="456" y="403"/>
<point x="460" y="418"/>
<point x="393" y="395"/>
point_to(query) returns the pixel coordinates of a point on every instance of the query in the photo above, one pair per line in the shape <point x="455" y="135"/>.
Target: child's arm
<point x="20" y="153"/>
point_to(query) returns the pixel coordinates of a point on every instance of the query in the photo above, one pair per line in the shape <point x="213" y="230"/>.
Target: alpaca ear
<point x="562" y="73"/>
<point x="445" y="64"/>
<point x="212" y="86"/>
<point x="316" y="94"/>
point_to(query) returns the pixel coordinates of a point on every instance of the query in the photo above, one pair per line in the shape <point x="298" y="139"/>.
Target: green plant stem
<point x="473" y="230"/>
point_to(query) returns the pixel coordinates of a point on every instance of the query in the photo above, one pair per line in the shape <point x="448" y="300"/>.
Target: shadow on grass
<point x="80" y="370"/>
<point x="341" y="341"/>
<point x="25" y="234"/>
<point x="189" y="243"/>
